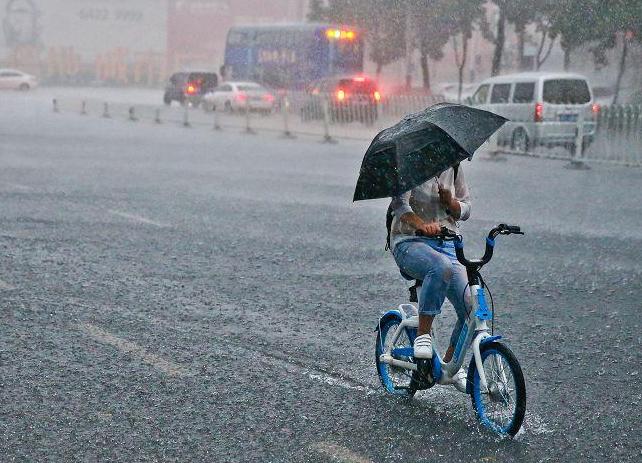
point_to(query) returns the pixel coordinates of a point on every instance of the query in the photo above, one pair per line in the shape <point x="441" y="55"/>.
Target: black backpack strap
<point x="389" y="217"/>
<point x="456" y="169"/>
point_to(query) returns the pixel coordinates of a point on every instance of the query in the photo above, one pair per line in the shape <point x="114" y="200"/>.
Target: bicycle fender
<point x="393" y="313"/>
<point x="472" y="366"/>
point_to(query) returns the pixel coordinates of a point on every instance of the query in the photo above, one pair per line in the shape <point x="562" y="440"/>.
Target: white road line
<point x="165" y="366"/>
<point x="339" y="453"/>
<point x="17" y="186"/>
<point x="6" y="286"/>
<point x="137" y="218"/>
<point x="453" y="406"/>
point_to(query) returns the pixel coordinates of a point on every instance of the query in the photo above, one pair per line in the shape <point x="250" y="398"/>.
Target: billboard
<point x="71" y="37"/>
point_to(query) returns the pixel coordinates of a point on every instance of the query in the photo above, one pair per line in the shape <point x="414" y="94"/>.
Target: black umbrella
<point x="421" y="146"/>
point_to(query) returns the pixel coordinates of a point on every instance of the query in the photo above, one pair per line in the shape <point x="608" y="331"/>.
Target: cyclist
<point x="439" y="202"/>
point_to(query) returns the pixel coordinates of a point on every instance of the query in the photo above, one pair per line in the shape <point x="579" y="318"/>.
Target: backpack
<point x="390" y="214"/>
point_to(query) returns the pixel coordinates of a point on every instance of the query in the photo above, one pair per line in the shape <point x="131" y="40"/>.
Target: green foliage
<point x="382" y="22"/>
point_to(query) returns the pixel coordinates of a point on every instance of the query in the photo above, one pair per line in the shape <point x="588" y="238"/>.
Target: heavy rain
<point x="320" y="230"/>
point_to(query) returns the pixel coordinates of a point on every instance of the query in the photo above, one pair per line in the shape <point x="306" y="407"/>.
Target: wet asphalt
<point x="172" y="294"/>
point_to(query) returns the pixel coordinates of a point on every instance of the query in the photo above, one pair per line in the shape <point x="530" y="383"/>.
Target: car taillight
<point x="268" y="97"/>
<point x="377" y="96"/>
<point x="241" y="96"/>
<point x="539" y="112"/>
<point x="595" y="108"/>
<point x="190" y="89"/>
<point x="341" y="95"/>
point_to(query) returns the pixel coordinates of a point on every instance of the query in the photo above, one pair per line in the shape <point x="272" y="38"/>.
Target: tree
<point x="577" y="22"/>
<point x="547" y="36"/>
<point x="463" y="17"/>
<point x="519" y="13"/>
<point x="432" y="31"/>
<point x="382" y="22"/>
<point x="621" y="22"/>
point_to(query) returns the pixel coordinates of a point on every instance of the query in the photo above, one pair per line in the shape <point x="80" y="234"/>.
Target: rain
<point x="252" y="231"/>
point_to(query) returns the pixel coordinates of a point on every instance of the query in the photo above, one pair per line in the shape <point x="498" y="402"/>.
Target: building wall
<point x="118" y="40"/>
<point x="126" y="41"/>
<point x="197" y="29"/>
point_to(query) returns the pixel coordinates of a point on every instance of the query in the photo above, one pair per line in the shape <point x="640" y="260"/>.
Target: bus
<point x="291" y="56"/>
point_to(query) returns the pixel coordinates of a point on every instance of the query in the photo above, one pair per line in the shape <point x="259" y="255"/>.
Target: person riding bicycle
<point x="424" y="210"/>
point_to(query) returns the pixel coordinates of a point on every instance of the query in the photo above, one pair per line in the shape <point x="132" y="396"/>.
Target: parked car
<point x="450" y="90"/>
<point x="13" y="79"/>
<point x="349" y="98"/>
<point x="239" y="96"/>
<point x="189" y="87"/>
<point x="543" y="108"/>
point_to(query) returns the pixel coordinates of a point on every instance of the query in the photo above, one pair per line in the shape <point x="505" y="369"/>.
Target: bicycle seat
<point x="413" y="290"/>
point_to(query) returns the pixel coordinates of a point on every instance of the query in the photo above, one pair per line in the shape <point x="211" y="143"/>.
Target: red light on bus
<point x="341" y="95"/>
<point x="359" y="79"/>
<point x="377" y="95"/>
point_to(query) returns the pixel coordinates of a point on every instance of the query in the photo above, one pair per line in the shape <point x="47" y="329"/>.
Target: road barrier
<point x="186" y="122"/>
<point x="83" y="108"/>
<point x="106" y="114"/>
<point x="217" y="123"/>
<point x="285" y="110"/>
<point x="132" y="114"/>
<point x="612" y="135"/>
<point x="248" y="127"/>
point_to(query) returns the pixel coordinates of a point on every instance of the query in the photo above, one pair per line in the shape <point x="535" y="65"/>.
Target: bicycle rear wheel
<point x="503" y="406"/>
<point x="395" y="380"/>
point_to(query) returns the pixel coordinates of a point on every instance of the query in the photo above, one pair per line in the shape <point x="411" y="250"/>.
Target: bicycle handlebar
<point x="501" y="229"/>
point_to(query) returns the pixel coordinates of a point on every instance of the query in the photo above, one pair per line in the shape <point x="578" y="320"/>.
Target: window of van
<point x="481" y="95"/>
<point x="524" y="92"/>
<point x="500" y="93"/>
<point x="566" y="91"/>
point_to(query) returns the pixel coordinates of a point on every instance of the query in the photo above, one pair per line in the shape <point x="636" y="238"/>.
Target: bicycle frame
<point x="473" y="333"/>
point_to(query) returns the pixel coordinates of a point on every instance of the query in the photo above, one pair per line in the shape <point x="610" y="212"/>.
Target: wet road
<point x="184" y="295"/>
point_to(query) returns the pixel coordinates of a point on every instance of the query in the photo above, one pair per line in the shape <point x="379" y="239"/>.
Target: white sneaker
<point x="458" y="380"/>
<point x="423" y="347"/>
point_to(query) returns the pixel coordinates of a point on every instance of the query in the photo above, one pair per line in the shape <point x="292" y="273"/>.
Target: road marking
<point x="17" y="186"/>
<point x="166" y="366"/>
<point x="137" y="218"/>
<point x="453" y="406"/>
<point x="339" y="453"/>
<point x="6" y="286"/>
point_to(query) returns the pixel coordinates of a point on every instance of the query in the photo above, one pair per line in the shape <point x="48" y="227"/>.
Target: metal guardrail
<point x="615" y="133"/>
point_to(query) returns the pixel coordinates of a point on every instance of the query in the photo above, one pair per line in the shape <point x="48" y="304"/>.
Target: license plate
<point x="568" y="117"/>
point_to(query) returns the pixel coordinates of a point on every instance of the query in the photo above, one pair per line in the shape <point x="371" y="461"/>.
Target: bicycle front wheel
<point x="502" y="407"/>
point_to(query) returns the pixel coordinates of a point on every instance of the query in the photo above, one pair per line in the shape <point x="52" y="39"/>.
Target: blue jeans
<point x="443" y="276"/>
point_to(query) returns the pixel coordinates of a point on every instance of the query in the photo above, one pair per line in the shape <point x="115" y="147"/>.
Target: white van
<point x="543" y="108"/>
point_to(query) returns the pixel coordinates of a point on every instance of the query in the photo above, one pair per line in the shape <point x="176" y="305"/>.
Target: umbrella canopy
<point x="421" y="146"/>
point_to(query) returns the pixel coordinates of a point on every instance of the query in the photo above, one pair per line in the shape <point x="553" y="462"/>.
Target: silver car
<point x="543" y="108"/>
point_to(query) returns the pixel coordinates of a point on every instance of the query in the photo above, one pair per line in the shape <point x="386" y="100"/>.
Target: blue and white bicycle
<point x="495" y="381"/>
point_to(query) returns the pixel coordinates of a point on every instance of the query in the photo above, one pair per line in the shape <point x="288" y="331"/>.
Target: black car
<point x="189" y="87"/>
<point x="348" y="98"/>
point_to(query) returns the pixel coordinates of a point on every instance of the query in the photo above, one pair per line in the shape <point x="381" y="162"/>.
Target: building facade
<point x="126" y="41"/>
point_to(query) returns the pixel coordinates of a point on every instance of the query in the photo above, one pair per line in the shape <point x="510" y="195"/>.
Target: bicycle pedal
<point x="422" y="378"/>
